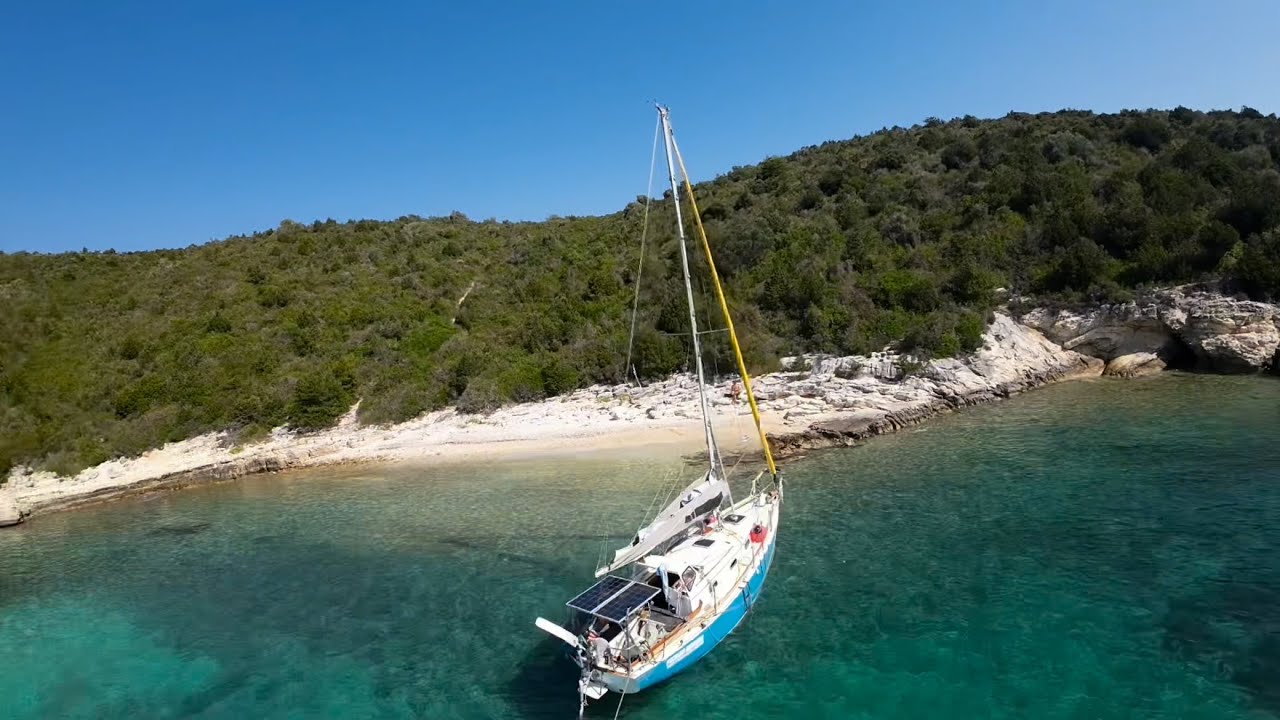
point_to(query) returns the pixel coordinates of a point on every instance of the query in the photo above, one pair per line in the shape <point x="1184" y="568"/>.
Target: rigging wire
<point x="686" y="333"/>
<point x="708" y="323"/>
<point x="714" y="454"/>
<point x="672" y="484"/>
<point x="724" y="306"/>
<point x="603" y="553"/>
<point x="621" y="697"/>
<point x="668" y="483"/>
<point x="644" y="235"/>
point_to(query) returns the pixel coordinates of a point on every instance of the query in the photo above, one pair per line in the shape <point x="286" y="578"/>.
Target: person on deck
<point x="599" y="647"/>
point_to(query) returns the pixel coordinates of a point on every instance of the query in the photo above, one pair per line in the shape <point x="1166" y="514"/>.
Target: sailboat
<point x="688" y="577"/>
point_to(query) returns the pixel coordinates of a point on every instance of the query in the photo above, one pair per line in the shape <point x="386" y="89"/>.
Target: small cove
<point x="1092" y="549"/>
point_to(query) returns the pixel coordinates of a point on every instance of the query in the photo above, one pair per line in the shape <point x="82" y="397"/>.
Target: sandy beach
<point x="830" y="401"/>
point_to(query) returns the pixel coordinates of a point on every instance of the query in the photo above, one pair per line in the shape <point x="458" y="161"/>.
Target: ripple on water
<point x="1102" y="549"/>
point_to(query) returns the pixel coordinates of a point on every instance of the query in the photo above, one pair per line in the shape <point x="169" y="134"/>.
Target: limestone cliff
<point x="1182" y="327"/>
<point x="846" y="410"/>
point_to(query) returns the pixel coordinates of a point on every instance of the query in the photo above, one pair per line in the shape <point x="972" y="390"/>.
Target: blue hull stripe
<point x="714" y="633"/>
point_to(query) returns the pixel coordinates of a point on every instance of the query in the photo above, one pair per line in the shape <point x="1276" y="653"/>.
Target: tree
<point x="1077" y="267"/>
<point x="318" y="400"/>
<point x="959" y="153"/>
<point x="1146" y="131"/>
<point x="899" y="236"/>
<point x="1258" y="270"/>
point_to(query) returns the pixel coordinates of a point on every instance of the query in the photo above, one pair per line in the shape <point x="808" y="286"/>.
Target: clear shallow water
<point x="1092" y="550"/>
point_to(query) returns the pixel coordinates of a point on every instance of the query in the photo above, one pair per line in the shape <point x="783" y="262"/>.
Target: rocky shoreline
<point x="1013" y="359"/>
<point x="829" y="402"/>
<point x="852" y="429"/>
<point x="1184" y="327"/>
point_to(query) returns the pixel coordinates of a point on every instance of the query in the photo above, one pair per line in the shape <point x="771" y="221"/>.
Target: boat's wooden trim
<point x="680" y="631"/>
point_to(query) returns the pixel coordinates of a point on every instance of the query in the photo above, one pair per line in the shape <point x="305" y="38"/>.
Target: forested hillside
<point x="901" y="236"/>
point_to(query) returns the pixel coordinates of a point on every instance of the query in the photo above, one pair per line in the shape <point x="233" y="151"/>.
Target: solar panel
<point x="613" y="598"/>
<point x="625" y="602"/>
<point x="595" y="595"/>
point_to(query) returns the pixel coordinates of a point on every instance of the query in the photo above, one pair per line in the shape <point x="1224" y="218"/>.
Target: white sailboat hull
<point x="696" y="567"/>
<point x="708" y="628"/>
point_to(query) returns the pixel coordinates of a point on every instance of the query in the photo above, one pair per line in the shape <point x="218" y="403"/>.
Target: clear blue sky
<point x="140" y="125"/>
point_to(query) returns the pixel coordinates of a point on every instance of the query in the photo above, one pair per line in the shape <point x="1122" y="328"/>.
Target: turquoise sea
<point x="1096" y="549"/>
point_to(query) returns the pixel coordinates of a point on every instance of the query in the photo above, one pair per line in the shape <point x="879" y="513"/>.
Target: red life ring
<point x="757" y="533"/>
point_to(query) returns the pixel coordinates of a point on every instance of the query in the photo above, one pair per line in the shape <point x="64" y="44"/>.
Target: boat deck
<point x="726" y="559"/>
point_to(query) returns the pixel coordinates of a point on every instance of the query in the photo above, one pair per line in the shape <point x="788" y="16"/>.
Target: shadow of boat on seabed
<point x="546" y="682"/>
<point x="475" y="544"/>
<point x="546" y="686"/>
<point x="1249" y="658"/>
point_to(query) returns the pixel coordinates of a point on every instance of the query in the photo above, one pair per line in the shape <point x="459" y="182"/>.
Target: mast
<point x="724" y="307"/>
<point x="668" y="140"/>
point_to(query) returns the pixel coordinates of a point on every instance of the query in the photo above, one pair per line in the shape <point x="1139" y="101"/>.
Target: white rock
<point x="9" y="514"/>
<point x="1224" y="334"/>
<point x="1134" y="365"/>
<point x="1242" y="352"/>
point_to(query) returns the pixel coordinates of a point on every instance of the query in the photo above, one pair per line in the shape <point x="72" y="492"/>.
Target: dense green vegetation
<point x="901" y="236"/>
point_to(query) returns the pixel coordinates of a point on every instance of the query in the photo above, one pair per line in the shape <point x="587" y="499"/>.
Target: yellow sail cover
<point x="724" y="308"/>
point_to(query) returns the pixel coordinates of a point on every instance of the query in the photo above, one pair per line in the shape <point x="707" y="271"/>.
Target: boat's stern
<point x="593" y="685"/>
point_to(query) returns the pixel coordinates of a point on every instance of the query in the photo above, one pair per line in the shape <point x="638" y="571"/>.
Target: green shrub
<point x="520" y="381"/>
<point x="1257" y="272"/>
<point x="899" y="237"/>
<point x="969" y="329"/>
<point x="319" y="399"/>
<point x="426" y="339"/>
<point x="217" y="324"/>
<point x="558" y="377"/>
<point x="481" y="396"/>
<point x="140" y="395"/>
<point x="657" y="355"/>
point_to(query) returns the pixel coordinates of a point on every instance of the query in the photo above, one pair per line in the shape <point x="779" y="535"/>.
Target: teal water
<point x="1091" y="550"/>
